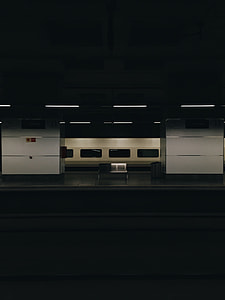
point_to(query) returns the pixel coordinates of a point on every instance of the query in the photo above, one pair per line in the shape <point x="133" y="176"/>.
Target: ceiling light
<point x="61" y="106"/>
<point x="157" y="122"/>
<point x="62" y="122"/>
<point x="80" y="122"/>
<point x="130" y="106"/>
<point x="120" y="122"/>
<point x="5" y="105"/>
<point x="197" y="105"/>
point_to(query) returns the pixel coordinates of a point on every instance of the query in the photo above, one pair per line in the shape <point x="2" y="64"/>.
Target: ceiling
<point x="97" y="53"/>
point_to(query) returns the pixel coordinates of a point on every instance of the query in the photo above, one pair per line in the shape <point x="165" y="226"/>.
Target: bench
<point x="113" y="168"/>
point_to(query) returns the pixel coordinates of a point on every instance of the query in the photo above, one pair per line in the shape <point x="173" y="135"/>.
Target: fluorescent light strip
<point x="77" y="122"/>
<point x="62" y="122"/>
<point x="157" y="122"/>
<point x="61" y="106"/>
<point x="118" y="122"/>
<point x="122" y="122"/>
<point x="5" y="105"/>
<point x="197" y="105"/>
<point x="130" y="106"/>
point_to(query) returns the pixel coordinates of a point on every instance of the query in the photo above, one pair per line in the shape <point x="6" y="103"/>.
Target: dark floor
<point x="76" y="237"/>
<point x="90" y="179"/>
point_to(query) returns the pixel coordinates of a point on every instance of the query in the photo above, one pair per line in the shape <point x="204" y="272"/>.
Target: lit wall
<point x="111" y="143"/>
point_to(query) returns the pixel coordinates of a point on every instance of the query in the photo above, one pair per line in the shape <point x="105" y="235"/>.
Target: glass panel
<point x="148" y="152"/>
<point x="90" y="153"/>
<point x="69" y="153"/>
<point x="119" y="153"/>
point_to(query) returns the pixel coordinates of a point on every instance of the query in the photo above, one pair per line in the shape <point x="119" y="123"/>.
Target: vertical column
<point x="31" y="147"/>
<point x="194" y="146"/>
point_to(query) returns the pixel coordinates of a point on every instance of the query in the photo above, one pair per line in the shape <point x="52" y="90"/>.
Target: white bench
<point x="118" y="168"/>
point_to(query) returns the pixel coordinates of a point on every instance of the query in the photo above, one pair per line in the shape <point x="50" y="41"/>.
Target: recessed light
<point x="80" y="122"/>
<point x="129" y="106"/>
<point x="197" y="105"/>
<point x="118" y="122"/>
<point x="122" y="122"/>
<point x="61" y="106"/>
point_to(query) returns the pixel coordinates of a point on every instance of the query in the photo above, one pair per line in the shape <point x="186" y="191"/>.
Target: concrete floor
<point x="90" y="179"/>
<point x="71" y="235"/>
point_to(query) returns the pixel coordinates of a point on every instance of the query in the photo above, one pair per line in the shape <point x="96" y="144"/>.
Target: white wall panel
<point x="194" y="164"/>
<point x="43" y="146"/>
<point x="195" y="150"/>
<point x="22" y="156"/>
<point x="25" y="165"/>
<point x="194" y="145"/>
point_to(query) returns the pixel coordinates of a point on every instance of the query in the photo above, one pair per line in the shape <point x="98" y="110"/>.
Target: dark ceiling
<point x="96" y="53"/>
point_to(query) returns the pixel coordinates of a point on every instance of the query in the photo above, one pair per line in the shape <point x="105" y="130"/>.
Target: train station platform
<point x="82" y="192"/>
<point x="137" y="179"/>
<point x="73" y="234"/>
